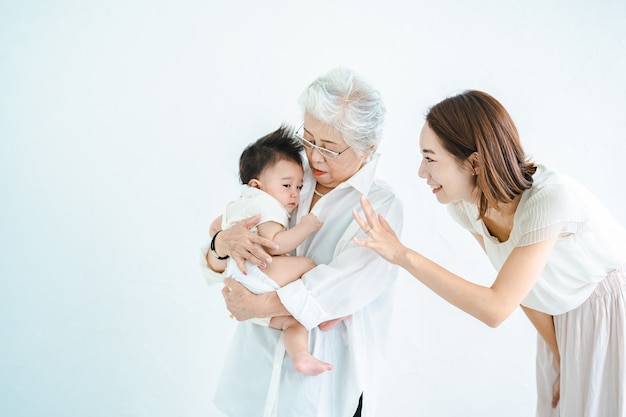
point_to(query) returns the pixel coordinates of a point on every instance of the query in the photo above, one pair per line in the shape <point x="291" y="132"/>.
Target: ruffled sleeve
<point x="553" y="210"/>
<point x="464" y="214"/>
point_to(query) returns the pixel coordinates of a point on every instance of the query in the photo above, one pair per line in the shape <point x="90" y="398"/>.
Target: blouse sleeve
<point x="355" y="277"/>
<point x="552" y="211"/>
<point x="460" y="214"/>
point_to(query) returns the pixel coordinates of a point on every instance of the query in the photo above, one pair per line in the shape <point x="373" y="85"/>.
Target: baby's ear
<point x="254" y="183"/>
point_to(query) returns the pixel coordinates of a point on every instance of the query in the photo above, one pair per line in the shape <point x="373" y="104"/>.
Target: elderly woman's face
<point x="330" y="172"/>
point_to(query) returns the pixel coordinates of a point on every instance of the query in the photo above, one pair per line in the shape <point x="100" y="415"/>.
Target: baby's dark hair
<point x="267" y="151"/>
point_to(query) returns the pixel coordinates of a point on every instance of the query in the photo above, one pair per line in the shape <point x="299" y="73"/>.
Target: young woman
<point x="558" y="253"/>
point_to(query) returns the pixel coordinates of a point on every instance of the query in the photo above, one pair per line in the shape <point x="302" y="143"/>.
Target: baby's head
<point x="274" y="164"/>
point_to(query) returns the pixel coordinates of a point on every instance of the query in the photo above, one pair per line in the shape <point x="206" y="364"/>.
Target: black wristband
<point x="221" y="258"/>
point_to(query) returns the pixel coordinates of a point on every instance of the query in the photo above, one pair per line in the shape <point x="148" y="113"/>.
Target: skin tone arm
<point x="241" y="303"/>
<point x="491" y="305"/>
<point x="545" y="326"/>
<point x="543" y="322"/>
<point x="288" y="240"/>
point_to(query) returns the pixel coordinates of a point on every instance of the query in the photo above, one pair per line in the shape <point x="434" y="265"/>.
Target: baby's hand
<point x="311" y="222"/>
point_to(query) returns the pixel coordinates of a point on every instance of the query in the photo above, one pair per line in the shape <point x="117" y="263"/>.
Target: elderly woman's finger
<point x="249" y="223"/>
<point x="252" y="254"/>
<point x="266" y="243"/>
<point x="237" y="298"/>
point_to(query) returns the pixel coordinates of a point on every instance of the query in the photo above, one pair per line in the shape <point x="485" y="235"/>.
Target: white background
<point x="121" y="123"/>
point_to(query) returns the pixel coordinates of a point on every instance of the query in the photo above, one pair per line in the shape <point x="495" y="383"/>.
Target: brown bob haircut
<point x="474" y="121"/>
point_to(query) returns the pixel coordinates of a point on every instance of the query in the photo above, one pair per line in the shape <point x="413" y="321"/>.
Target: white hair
<point x="345" y="101"/>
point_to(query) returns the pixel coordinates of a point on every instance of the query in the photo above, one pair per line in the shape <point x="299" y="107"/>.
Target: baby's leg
<point x="287" y="269"/>
<point x="296" y="345"/>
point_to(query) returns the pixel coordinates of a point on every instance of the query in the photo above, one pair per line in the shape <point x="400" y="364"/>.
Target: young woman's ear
<point x="474" y="163"/>
<point x="254" y="183"/>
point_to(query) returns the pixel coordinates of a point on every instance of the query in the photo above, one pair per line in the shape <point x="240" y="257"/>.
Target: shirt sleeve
<point x="354" y="278"/>
<point x="210" y="275"/>
<point x="552" y="211"/>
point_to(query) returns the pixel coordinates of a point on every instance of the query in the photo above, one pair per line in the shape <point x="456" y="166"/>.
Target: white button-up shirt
<point x="258" y="379"/>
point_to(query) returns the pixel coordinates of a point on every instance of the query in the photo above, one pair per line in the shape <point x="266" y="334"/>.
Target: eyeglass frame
<point x="326" y="153"/>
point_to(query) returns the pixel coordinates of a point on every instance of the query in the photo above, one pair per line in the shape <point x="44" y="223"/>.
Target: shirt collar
<point x="361" y="180"/>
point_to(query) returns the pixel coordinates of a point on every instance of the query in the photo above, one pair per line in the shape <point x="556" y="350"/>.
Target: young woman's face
<point x="330" y="173"/>
<point x="283" y="181"/>
<point x="449" y="180"/>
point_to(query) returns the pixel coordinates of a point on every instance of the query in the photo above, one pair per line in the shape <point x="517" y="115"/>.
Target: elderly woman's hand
<point x="239" y="300"/>
<point x="244" y="305"/>
<point x="240" y="244"/>
<point x="380" y="236"/>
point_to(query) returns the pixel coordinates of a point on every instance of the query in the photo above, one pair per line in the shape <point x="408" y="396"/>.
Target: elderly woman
<point x="343" y="117"/>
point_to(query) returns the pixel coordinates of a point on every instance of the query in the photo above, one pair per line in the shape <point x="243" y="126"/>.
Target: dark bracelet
<point x="221" y="258"/>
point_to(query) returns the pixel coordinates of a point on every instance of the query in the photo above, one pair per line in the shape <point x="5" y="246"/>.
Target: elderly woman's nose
<point x="316" y="156"/>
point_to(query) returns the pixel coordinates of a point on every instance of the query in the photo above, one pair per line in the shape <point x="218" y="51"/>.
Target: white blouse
<point x="590" y="241"/>
<point x="258" y="379"/>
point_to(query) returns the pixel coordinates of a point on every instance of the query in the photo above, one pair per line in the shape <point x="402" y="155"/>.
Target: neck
<point x="320" y="190"/>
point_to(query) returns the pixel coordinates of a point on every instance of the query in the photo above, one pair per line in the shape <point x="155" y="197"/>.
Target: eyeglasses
<point x="326" y="153"/>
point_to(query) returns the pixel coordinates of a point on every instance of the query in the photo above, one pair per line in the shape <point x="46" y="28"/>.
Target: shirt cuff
<point x="298" y="301"/>
<point x="210" y="275"/>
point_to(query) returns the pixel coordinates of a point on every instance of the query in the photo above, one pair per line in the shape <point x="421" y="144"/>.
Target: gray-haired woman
<point x="343" y="117"/>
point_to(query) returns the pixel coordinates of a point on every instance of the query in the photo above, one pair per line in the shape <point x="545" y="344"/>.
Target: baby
<point x="271" y="172"/>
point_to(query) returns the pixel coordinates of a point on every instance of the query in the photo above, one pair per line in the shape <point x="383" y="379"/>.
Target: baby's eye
<point x="287" y="185"/>
<point x="299" y="187"/>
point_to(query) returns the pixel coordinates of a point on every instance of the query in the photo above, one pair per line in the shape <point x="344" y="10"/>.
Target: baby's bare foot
<point x="309" y="365"/>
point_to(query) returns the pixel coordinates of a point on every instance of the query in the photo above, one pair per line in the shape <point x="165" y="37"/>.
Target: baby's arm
<point x="288" y="240"/>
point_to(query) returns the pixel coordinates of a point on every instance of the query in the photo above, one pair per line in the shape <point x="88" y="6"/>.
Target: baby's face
<point x="283" y="181"/>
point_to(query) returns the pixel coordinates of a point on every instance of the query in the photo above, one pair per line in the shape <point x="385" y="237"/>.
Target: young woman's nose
<point x="421" y="172"/>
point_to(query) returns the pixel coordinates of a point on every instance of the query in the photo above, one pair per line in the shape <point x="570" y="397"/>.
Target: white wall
<point x="120" y="127"/>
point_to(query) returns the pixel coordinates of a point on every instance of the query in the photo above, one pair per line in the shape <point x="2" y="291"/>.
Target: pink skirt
<point x="591" y="341"/>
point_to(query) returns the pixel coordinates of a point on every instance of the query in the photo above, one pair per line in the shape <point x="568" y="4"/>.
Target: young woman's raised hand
<point x="380" y="236"/>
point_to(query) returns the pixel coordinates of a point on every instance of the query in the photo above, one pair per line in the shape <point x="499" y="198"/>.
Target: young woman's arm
<point x="492" y="305"/>
<point x="543" y="322"/>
